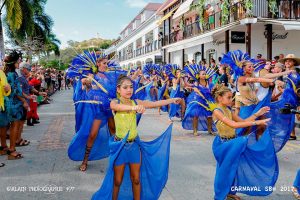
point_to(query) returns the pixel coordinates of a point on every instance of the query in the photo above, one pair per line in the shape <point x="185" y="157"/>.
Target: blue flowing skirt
<point x="195" y="110"/>
<point x="175" y="108"/>
<point x="161" y="92"/>
<point x="150" y="97"/>
<point x="281" y="125"/>
<point x="297" y="181"/>
<point x="85" y="114"/>
<point x="153" y="172"/>
<point x="242" y="167"/>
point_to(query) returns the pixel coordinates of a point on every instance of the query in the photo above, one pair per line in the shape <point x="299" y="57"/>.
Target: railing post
<point x="290" y="9"/>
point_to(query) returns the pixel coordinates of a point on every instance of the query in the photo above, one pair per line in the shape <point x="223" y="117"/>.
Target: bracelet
<point x="254" y="123"/>
<point x="255" y="115"/>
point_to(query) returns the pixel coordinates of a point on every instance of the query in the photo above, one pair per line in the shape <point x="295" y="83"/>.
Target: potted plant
<point x="273" y="8"/>
<point x="225" y="12"/>
<point x="250" y="19"/>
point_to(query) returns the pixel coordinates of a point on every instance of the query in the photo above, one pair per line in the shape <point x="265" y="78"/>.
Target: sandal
<point x="83" y="166"/>
<point x="295" y="193"/>
<point x="293" y="138"/>
<point x="2" y="164"/>
<point x="22" y="143"/>
<point x="3" y="150"/>
<point x="13" y="157"/>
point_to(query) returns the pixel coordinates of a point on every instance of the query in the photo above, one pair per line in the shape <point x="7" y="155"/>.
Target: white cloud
<point x="136" y="3"/>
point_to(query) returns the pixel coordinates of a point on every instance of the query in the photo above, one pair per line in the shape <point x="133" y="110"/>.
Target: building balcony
<point x="285" y="9"/>
<point x="144" y="50"/>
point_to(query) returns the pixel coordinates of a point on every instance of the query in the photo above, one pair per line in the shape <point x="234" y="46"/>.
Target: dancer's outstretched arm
<point x="243" y="124"/>
<point x="155" y="104"/>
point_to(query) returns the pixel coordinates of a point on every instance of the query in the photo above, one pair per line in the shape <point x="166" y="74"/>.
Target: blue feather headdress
<point x="150" y="68"/>
<point x="84" y="63"/>
<point x="194" y="70"/>
<point x="171" y="70"/>
<point x="235" y="60"/>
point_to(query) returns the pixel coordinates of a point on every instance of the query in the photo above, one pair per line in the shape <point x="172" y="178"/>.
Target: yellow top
<point x="126" y="121"/>
<point x="3" y="82"/>
<point x="223" y="129"/>
<point x="247" y="95"/>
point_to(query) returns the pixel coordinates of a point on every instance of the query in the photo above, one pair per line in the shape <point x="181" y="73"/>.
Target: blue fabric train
<point x="242" y="167"/>
<point x="154" y="163"/>
<point x="297" y="182"/>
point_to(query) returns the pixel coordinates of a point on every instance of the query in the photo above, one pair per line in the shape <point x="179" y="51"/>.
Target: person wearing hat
<point x="25" y="69"/>
<point x="290" y="62"/>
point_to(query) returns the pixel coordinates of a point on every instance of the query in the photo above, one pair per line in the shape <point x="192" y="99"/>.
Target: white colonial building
<point x="140" y="42"/>
<point x="171" y="32"/>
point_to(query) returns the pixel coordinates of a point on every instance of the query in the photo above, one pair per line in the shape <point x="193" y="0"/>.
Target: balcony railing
<point x="148" y="48"/>
<point x="286" y="9"/>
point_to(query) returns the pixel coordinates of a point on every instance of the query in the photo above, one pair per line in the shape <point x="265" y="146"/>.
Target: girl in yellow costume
<point x="134" y="152"/>
<point x="239" y="162"/>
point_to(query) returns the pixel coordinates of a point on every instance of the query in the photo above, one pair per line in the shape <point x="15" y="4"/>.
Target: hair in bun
<point x="219" y="90"/>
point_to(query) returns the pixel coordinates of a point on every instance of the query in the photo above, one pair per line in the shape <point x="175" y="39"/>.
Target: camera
<point x="289" y="109"/>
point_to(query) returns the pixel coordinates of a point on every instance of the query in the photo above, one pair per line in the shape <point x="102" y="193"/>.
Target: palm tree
<point x="34" y="35"/>
<point x="14" y="19"/>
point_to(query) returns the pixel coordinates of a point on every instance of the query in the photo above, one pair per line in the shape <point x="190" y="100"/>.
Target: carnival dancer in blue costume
<point x="163" y="91"/>
<point x="15" y="103"/>
<point x="242" y="166"/>
<point x="175" y="76"/>
<point x="196" y="118"/>
<point x="97" y="117"/>
<point x="94" y="120"/>
<point x="148" y="161"/>
<point x="296" y="186"/>
<point x="246" y="101"/>
<point x="150" y="71"/>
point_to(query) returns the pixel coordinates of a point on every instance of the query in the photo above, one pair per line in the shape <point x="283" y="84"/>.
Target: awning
<point x="287" y="24"/>
<point x="159" y="22"/>
<point x="183" y="8"/>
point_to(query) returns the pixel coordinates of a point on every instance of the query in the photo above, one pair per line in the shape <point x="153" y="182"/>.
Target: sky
<point x="79" y="20"/>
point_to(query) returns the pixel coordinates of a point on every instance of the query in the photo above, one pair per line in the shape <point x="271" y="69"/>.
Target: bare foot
<point x="295" y="193"/>
<point x="83" y="167"/>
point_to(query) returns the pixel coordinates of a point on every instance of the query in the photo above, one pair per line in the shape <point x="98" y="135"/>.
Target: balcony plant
<point x="199" y="7"/>
<point x="225" y="12"/>
<point x="273" y="8"/>
<point x="250" y="19"/>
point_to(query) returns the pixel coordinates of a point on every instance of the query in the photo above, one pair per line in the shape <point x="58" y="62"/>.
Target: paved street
<point x="45" y="163"/>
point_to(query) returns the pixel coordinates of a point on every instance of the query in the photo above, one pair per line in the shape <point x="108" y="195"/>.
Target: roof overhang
<point x="183" y="8"/>
<point x="288" y="25"/>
